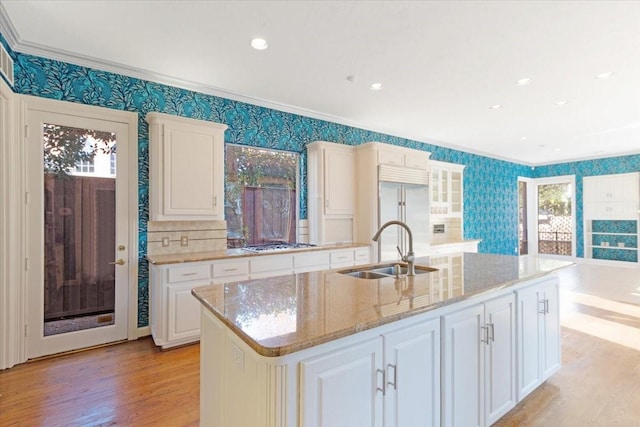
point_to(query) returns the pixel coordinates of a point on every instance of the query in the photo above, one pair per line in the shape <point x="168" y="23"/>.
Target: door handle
<point x="393" y="383"/>
<point x="118" y="262"/>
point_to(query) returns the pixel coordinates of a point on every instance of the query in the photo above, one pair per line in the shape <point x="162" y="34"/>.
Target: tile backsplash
<point x="177" y="237"/>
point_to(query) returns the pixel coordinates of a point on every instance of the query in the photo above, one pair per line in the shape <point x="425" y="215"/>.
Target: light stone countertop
<point x="284" y="314"/>
<point x="238" y="253"/>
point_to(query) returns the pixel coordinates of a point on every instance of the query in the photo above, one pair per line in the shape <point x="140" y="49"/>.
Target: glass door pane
<point x="523" y="230"/>
<point x="79" y="228"/>
<point x="555" y="221"/>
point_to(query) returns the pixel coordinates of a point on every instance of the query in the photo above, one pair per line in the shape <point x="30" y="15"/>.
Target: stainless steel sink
<point x="381" y="271"/>
<point x="365" y="274"/>
<point x="391" y="270"/>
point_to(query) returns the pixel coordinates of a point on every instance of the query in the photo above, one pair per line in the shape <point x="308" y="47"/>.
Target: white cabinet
<point x="446" y="189"/>
<point x="412" y="370"/>
<point x="331" y="187"/>
<point x="392" y="380"/>
<point x="353" y="374"/>
<point x="478" y="363"/>
<point x="612" y="196"/>
<point x="186" y="168"/>
<point x="173" y="311"/>
<point x="611" y="217"/>
<point x="174" y="315"/>
<point x="400" y="156"/>
<point x="538" y="326"/>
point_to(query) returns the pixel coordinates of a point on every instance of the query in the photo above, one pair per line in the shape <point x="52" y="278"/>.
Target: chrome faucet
<point x="409" y="258"/>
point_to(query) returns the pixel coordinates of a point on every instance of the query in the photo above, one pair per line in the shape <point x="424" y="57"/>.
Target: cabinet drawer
<point x="231" y="268"/>
<point x="313" y="259"/>
<point x="189" y="272"/>
<point x="262" y="264"/>
<point x="341" y="258"/>
<point x="362" y="255"/>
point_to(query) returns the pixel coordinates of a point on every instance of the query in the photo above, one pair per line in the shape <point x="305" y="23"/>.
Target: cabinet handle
<point x="383" y="389"/>
<point x="493" y="332"/>
<point x="230" y="269"/>
<point x="546" y="306"/>
<point x="485" y="330"/>
<point x="189" y="274"/>
<point x="326" y="203"/>
<point x="541" y="311"/>
<point x="215" y="201"/>
<point x="393" y="383"/>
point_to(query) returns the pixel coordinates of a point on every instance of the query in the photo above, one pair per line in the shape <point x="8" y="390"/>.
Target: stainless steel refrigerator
<point x="404" y="196"/>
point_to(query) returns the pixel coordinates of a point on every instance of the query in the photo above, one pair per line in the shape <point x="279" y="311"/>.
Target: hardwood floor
<point x="135" y="384"/>
<point x="130" y="384"/>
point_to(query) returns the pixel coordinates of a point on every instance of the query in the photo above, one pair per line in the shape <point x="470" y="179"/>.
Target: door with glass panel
<point x="77" y="207"/>
<point x="555" y="216"/>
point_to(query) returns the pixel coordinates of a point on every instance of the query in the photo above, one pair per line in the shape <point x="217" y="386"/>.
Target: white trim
<point x="11" y="242"/>
<point x="130" y="120"/>
<point x="143" y="331"/>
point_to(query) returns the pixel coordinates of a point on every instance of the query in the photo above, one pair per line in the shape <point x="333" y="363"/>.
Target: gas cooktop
<point x="280" y="246"/>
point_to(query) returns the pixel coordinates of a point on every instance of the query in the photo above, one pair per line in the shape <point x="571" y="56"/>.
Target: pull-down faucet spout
<point x="410" y="256"/>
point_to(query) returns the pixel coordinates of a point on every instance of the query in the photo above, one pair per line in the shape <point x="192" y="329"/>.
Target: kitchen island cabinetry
<point x="370" y="366"/>
<point x="186" y="168"/>
<point x="479" y="383"/>
<point x="538" y="326"/>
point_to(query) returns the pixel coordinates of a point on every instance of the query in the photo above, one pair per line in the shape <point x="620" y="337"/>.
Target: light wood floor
<point x="135" y="384"/>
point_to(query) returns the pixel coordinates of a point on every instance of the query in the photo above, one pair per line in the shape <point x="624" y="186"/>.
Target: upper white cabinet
<point x="446" y="189"/>
<point x="612" y="196"/>
<point x="331" y="184"/>
<point x="186" y="168"/>
<point x="400" y="156"/>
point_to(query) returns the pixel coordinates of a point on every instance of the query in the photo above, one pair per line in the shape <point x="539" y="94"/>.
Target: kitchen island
<point x="456" y="346"/>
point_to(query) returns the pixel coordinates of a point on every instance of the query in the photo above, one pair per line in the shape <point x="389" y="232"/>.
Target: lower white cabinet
<point x="538" y="335"/>
<point x="390" y="380"/>
<point x="174" y="314"/>
<point x="456" y="366"/>
<point x="478" y="363"/>
<point x="344" y="387"/>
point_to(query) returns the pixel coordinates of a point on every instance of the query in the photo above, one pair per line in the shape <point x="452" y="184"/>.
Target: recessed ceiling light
<point x="259" y="44"/>
<point x="375" y="86"/>
<point x="557" y="149"/>
<point x="496" y="107"/>
<point x="561" y="103"/>
<point x="604" y="75"/>
<point x="523" y="138"/>
<point x="523" y="82"/>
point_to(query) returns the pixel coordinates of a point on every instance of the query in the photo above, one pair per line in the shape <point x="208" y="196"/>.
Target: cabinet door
<point x="192" y="158"/>
<point x="339" y="197"/>
<point x="412" y="360"/>
<point x="528" y="346"/>
<point x="343" y="388"/>
<point x="183" y="315"/>
<point x="463" y="368"/>
<point x="551" y="360"/>
<point x="500" y="371"/>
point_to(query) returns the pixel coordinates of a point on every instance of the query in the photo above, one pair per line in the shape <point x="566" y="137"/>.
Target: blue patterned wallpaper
<point x="490" y="185"/>
<point x="606" y="166"/>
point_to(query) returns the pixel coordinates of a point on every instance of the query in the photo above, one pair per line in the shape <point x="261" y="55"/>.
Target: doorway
<point x="82" y="260"/>
<point x="554" y="216"/>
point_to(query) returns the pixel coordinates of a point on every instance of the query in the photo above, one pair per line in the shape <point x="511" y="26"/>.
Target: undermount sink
<point x="383" y="270"/>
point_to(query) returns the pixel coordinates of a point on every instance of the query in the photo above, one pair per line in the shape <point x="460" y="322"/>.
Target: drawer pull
<point x="189" y="274"/>
<point x="230" y="269"/>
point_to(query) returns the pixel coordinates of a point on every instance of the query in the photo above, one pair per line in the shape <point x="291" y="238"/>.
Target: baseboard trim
<point x="143" y="331"/>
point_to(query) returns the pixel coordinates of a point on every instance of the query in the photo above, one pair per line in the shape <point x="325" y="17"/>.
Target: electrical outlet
<point x="184" y="241"/>
<point x="165" y="241"/>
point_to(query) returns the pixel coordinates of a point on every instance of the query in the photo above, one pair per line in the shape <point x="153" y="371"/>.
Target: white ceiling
<point x="442" y="63"/>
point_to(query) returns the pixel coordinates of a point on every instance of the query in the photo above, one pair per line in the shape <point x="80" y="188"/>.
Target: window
<point x="85" y="166"/>
<point x="260" y="195"/>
